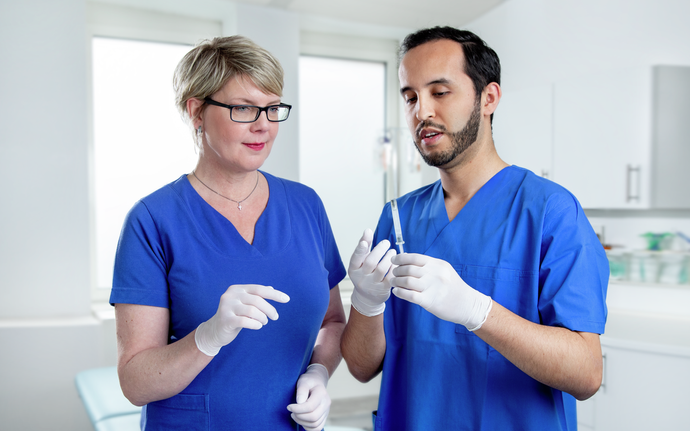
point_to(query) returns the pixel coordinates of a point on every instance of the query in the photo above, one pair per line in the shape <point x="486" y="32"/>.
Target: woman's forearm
<point x="327" y="346"/>
<point x="149" y="368"/>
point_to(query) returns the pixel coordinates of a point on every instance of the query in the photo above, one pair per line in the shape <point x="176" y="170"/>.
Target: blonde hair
<point x="205" y="69"/>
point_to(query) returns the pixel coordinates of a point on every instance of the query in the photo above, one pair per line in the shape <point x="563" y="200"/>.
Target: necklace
<point x="239" y="203"/>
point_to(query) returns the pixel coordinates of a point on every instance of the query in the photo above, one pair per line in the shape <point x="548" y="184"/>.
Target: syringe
<point x="396" y="226"/>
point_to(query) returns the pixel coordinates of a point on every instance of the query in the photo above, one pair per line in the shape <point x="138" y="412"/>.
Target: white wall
<point x="46" y="331"/>
<point x="543" y="41"/>
<point x="540" y="41"/>
<point x="43" y="160"/>
<point x="278" y="32"/>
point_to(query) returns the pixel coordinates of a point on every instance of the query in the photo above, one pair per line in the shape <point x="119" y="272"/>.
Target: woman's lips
<point x="256" y="146"/>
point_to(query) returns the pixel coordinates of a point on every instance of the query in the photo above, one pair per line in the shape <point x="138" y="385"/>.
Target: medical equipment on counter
<point x="396" y="225"/>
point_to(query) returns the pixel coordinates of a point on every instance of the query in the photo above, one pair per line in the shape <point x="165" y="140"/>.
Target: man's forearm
<point x="364" y="345"/>
<point x="557" y="357"/>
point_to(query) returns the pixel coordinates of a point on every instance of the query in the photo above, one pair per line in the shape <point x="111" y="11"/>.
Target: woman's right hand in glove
<point x="241" y="306"/>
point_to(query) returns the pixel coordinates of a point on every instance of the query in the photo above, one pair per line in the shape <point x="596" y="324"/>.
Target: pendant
<point x="239" y="206"/>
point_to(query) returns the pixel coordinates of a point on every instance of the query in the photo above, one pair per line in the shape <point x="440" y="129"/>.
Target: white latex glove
<point x="312" y="400"/>
<point x="241" y="306"/>
<point x="436" y="286"/>
<point x="369" y="272"/>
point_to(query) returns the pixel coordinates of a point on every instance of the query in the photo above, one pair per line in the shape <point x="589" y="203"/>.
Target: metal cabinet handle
<point x="628" y="182"/>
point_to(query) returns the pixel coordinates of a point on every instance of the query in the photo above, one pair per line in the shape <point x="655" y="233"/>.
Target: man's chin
<point x="437" y="159"/>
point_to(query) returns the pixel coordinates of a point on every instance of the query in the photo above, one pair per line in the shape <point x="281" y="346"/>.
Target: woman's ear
<point x="490" y="98"/>
<point x="194" y="110"/>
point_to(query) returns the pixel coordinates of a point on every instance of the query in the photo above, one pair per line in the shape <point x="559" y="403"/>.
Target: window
<point x="345" y="161"/>
<point x="140" y="141"/>
<point x="342" y="124"/>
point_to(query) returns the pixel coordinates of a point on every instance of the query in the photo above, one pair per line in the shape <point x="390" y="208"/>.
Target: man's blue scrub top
<point x="526" y="242"/>
<point x="178" y="252"/>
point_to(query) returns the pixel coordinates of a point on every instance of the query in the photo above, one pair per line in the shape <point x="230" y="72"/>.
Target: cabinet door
<point x="522" y="129"/>
<point x="642" y="390"/>
<point x="602" y="138"/>
<point x="671" y="155"/>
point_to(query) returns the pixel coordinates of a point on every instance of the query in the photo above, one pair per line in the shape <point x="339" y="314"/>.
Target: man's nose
<point x="425" y="109"/>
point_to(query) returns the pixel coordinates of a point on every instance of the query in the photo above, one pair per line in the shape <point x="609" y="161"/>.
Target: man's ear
<point x="490" y="97"/>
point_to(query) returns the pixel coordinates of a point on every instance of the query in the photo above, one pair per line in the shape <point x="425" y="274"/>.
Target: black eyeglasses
<point x="250" y="113"/>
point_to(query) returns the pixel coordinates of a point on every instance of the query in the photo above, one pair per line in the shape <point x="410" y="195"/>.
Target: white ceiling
<point x="411" y="14"/>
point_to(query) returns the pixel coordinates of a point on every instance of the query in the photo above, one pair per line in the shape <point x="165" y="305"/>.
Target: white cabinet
<point x="622" y="138"/>
<point x="671" y="138"/>
<point x="647" y="362"/>
<point x="617" y="139"/>
<point x="644" y="388"/>
<point x="602" y="133"/>
<point x="522" y="129"/>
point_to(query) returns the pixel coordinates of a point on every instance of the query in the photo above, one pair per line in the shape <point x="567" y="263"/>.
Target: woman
<point x="223" y="249"/>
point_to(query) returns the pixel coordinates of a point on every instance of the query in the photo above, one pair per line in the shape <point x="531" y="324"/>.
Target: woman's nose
<point x="261" y="123"/>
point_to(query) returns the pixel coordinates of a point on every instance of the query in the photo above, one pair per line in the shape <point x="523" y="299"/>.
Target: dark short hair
<point x="481" y="62"/>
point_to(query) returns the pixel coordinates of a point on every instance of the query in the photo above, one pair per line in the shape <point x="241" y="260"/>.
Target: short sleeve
<point x="574" y="271"/>
<point x="140" y="272"/>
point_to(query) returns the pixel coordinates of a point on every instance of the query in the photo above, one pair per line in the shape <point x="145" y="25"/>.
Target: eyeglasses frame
<point x="265" y="108"/>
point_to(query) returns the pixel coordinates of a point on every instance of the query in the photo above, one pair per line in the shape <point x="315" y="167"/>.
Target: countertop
<point x="648" y="317"/>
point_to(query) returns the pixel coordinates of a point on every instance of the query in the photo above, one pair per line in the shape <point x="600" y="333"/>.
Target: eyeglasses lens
<point x="248" y="114"/>
<point x="278" y="113"/>
<point x="245" y="113"/>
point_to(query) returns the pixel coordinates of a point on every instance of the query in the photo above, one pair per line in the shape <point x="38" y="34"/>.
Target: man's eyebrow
<point x="443" y="81"/>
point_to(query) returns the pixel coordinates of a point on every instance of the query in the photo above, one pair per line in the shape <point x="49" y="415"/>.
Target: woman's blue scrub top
<point x="522" y="240"/>
<point x="178" y="252"/>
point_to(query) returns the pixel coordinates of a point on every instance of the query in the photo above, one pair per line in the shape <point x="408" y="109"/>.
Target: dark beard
<point x="461" y="140"/>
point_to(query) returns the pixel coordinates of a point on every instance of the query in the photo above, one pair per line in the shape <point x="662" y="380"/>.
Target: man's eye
<point x="410" y="100"/>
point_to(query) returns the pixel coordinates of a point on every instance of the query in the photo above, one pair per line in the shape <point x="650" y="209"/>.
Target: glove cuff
<point x="365" y="307"/>
<point x="201" y="337"/>
<point x="321" y="370"/>
<point x="484" y="304"/>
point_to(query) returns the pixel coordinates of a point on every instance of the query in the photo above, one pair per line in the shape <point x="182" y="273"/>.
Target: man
<point x="499" y="299"/>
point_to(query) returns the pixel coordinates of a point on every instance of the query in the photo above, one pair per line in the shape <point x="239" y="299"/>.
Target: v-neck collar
<point x="272" y="231"/>
<point x="437" y="215"/>
<point x="438" y="212"/>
